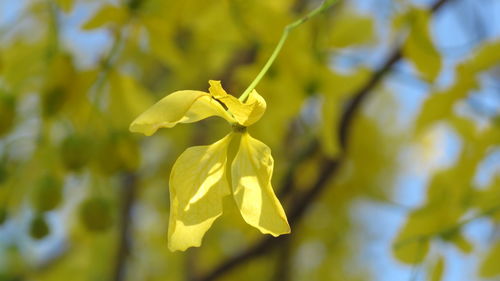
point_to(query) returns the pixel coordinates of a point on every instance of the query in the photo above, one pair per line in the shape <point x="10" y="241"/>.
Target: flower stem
<point x="325" y="5"/>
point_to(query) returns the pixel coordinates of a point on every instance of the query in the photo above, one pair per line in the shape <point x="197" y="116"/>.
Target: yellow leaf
<point x="160" y="36"/>
<point x="412" y="252"/>
<point x="485" y="57"/>
<point x="337" y="88"/>
<point x="436" y="274"/>
<point x="462" y="243"/>
<point x="351" y="29"/>
<point x="23" y="63"/>
<point x="439" y="106"/>
<point x="419" y="48"/>
<point x="127" y="99"/>
<point x="65" y="5"/>
<point x="7" y="113"/>
<point x="251" y="171"/>
<point x="412" y="242"/>
<point x="197" y="186"/>
<point x="108" y="14"/>
<point x="489" y="268"/>
<point x="487" y="200"/>
<point x="79" y="108"/>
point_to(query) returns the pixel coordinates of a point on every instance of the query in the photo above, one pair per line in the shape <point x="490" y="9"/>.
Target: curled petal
<point x="216" y="89"/>
<point x="197" y="186"/>
<point x="251" y="172"/>
<point x="179" y="107"/>
<point x="245" y="113"/>
<point x="258" y="105"/>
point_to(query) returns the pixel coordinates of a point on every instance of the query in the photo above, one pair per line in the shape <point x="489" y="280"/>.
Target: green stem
<point x="325" y="5"/>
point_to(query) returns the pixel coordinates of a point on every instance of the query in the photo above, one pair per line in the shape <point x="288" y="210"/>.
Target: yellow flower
<point x="237" y="165"/>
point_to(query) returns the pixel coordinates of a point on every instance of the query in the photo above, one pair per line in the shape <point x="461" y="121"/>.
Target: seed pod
<point x="53" y="100"/>
<point x="134" y="5"/>
<point x="117" y="154"/>
<point x="95" y="214"/>
<point x="75" y="152"/>
<point x="48" y="194"/>
<point x="39" y="228"/>
<point x="58" y="86"/>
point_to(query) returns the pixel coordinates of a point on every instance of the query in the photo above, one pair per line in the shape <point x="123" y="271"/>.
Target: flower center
<point x="237" y="128"/>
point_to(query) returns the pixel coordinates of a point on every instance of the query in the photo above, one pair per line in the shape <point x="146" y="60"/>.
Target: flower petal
<point x="245" y="113"/>
<point x="197" y="186"/>
<point x="251" y="173"/>
<point x="216" y="89"/>
<point x="258" y="105"/>
<point x="179" y="107"/>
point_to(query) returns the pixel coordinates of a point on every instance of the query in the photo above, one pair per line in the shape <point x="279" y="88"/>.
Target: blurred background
<point x="383" y="118"/>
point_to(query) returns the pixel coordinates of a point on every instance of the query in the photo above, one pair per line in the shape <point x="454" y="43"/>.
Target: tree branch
<point x="303" y="201"/>
<point x="128" y="198"/>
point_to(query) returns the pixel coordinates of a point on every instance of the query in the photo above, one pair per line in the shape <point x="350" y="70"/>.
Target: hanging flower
<point x="237" y="165"/>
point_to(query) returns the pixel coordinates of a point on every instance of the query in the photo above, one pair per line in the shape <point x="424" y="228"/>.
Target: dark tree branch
<point x="125" y="224"/>
<point x="303" y="201"/>
<point x="362" y="94"/>
<point x="283" y="262"/>
<point x="287" y="183"/>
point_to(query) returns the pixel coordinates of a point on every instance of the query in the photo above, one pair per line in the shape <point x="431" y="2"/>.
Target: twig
<point x="286" y="31"/>
<point x="330" y="166"/>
